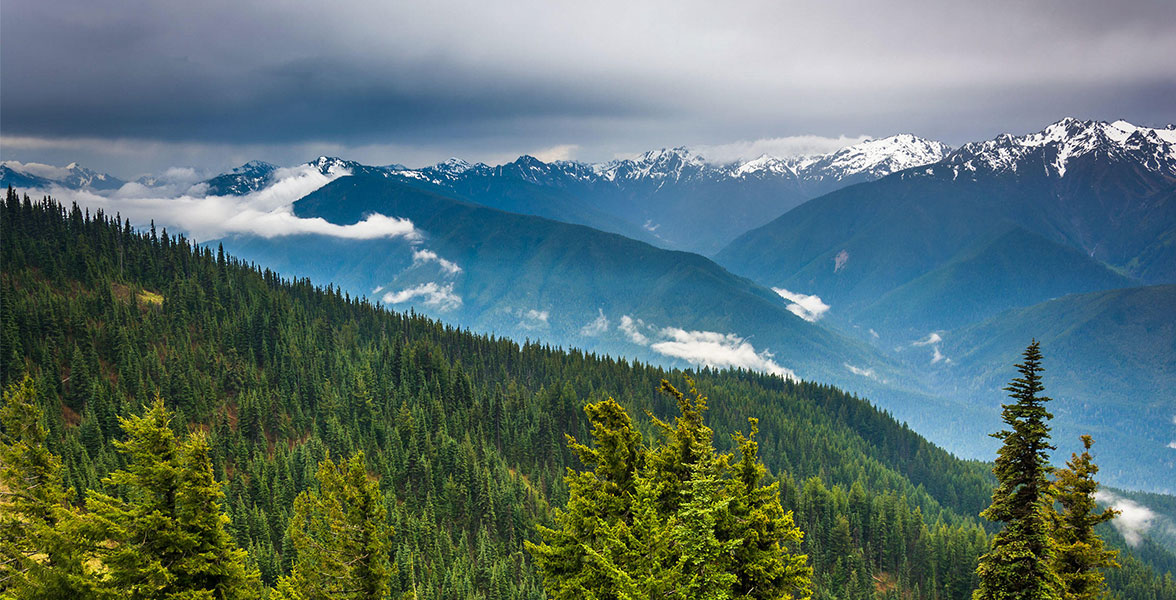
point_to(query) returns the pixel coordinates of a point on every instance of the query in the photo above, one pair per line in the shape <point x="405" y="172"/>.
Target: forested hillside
<point x="465" y="432"/>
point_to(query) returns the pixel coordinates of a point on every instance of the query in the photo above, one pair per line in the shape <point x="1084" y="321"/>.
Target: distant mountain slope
<point x="681" y="198"/>
<point x="524" y="276"/>
<point x="1110" y="366"/>
<point x="1014" y="269"/>
<point x="1088" y="185"/>
<point x="41" y="176"/>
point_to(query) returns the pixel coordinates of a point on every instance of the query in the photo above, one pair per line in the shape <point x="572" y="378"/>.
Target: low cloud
<point x="860" y="371"/>
<point x="440" y="296"/>
<point x="533" y="319"/>
<point x="719" y="350"/>
<point x="554" y="153"/>
<point x="932" y="338"/>
<point x="424" y="255"/>
<point x="598" y="325"/>
<point x="267" y="212"/>
<point x="782" y="147"/>
<point x="808" y="307"/>
<point x="632" y="329"/>
<point x="1134" y="521"/>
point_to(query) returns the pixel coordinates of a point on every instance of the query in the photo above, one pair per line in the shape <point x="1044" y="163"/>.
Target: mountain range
<point x="897" y="268"/>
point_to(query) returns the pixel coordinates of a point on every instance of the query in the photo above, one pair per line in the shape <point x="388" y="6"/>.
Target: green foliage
<point x="39" y="553"/>
<point x="1018" y="565"/>
<point x="465" y="432"/>
<point x="1080" y="555"/>
<point x="672" y="520"/>
<point x="341" y="537"/>
<point x="164" y="535"/>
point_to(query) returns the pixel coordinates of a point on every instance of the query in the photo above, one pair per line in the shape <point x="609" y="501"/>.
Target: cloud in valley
<point x="808" y="307"/>
<point x="431" y="294"/>
<point x="267" y="212"/>
<point x="860" y="371"/>
<point x="424" y="255"/>
<point x="1135" y="520"/>
<point x="598" y="325"/>
<point x="632" y="329"/>
<point x="719" y="350"/>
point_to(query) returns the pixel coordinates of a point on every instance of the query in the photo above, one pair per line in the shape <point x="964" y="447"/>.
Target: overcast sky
<point x="130" y="87"/>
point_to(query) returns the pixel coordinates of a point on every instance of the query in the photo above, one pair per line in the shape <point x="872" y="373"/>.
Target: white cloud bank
<point x="440" y="296"/>
<point x="720" y="350"/>
<point x="632" y="329"/>
<point x="268" y="212"/>
<point x="424" y="255"/>
<point x="598" y="325"/>
<point x="1134" y="520"/>
<point x="808" y="307"/>
<point x="699" y="348"/>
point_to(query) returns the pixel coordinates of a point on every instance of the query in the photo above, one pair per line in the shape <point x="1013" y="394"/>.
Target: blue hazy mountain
<point x="1105" y="189"/>
<point x="1110" y="367"/>
<point x="528" y="277"/>
<point x="1013" y="269"/>
<point x="40" y="176"/>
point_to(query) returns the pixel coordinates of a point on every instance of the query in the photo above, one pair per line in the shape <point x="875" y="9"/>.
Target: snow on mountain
<point x="72" y="176"/>
<point x="1056" y="146"/>
<point x="665" y="164"/>
<point x="874" y="158"/>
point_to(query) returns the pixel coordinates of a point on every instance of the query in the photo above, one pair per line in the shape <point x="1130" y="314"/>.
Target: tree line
<point x="463" y="432"/>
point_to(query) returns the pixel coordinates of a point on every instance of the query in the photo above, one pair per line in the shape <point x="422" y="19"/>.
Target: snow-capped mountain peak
<point x="72" y="176"/>
<point x="874" y="158"/>
<point x="1055" y="147"/>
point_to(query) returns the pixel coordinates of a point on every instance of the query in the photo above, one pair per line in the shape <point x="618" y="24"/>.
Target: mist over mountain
<point x="870" y="286"/>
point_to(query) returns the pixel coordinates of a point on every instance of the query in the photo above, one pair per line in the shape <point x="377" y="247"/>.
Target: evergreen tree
<point x="341" y="537"/>
<point x="767" y="561"/>
<point x="41" y="555"/>
<point x="597" y="520"/>
<point x="675" y="520"/>
<point x="1019" y="562"/>
<point x="1080" y="553"/>
<point x="164" y="535"/>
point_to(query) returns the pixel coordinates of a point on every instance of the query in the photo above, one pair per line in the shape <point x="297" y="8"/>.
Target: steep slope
<point x="525" y="276"/>
<point x="464" y="431"/>
<point x="1088" y="185"/>
<point x="679" y="197"/>
<point x="1016" y="268"/>
<point x="1110" y="368"/>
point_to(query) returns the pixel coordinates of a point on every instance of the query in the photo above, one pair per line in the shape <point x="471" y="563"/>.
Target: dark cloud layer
<point x="410" y="81"/>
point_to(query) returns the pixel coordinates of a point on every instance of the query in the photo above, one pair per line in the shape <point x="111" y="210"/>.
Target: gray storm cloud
<point x="593" y="78"/>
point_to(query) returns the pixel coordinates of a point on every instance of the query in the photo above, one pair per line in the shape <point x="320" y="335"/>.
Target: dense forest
<point x="464" y="432"/>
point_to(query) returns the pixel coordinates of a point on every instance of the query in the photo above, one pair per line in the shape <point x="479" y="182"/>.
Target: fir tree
<point x="164" y="535"/>
<point x="676" y="520"/>
<point x="577" y="557"/>
<point x="41" y="555"/>
<point x="1080" y="554"/>
<point x="341" y="537"/>
<point x="1019" y="563"/>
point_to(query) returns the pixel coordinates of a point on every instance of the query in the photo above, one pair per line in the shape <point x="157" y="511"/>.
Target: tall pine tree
<point x="341" y="536"/>
<point x="1019" y="563"/>
<point x="164" y="534"/>
<point x="674" y="520"/>
<point x="1080" y="553"/>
